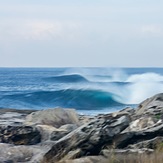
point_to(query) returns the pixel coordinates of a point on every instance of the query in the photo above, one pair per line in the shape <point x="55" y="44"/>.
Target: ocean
<point x="88" y="90"/>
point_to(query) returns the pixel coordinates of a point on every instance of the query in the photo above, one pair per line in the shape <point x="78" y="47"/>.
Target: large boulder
<point x="155" y="143"/>
<point x="14" y="154"/>
<point x="89" y="138"/>
<point x="125" y="139"/>
<point x="53" y="117"/>
<point x="152" y="105"/>
<point x="19" y="135"/>
<point x="142" y="123"/>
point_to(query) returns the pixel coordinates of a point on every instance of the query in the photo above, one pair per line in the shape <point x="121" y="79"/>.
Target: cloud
<point x="39" y="30"/>
<point x="154" y="30"/>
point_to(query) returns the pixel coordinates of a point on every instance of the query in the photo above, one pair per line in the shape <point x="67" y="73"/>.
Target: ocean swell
<point x="67" y="78"/>
<point x="79" y="99"/>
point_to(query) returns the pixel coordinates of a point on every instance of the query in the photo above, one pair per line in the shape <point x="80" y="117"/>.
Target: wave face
<point x="79" y="99"/>
<point x="85" y="89"/>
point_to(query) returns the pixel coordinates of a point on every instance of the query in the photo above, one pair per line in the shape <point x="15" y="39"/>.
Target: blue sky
<point x="39" y="33"/>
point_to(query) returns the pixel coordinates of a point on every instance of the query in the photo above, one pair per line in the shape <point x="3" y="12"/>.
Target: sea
<point x="88" y="90"/>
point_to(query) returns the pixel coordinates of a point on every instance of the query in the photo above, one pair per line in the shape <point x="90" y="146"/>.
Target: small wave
<point x="78" y="99"/>
<point x="67" y="78"/>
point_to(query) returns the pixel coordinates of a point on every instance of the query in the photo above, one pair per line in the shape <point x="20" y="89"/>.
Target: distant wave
<point x="67" y="78"/>
<point x="79" y="99"/>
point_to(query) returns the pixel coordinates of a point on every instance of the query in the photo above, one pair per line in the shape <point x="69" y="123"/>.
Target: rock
<point x="72" y="154"/>
<point x="69" y="127"/>
<point x="127" y="111"/>
<point x="83" y="119"/>
<point x="127" y="138"/>
<point x="58" y="134"/>
<point x="127" y="155"/>
<point x="10" y="153"/>
<point x="13" y="117"/>
<point x="154" y="143"/>
<point x="153" y="105"/>
<point x="52" y="117"/>
<point x="46" y="131"/>
<point x="52" y="133"/>
<point x="89" y="138"/>
<point x="142" y="123"/>
<point x="88" y="159"/>
<point x="108" y="153"/>
<point x="19" y="135"/>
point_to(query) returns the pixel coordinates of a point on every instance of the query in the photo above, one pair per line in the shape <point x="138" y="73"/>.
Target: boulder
<point x="142" y="123"/>
<point x="155" y="143"/>
<point x="13" y="117"/>
<point x="128" y="138"/>
<point x="19" y="135"/>
<point x="13" y="154"/>
<point x="152" y="105"/>
<point x="89" y="138"/>
<point x="52" y="133"/>
<point x="52" y="117"/>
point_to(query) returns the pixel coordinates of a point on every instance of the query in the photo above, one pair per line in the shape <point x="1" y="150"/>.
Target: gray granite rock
<point x="53" y="117"/>
<point x="89" y="138"/>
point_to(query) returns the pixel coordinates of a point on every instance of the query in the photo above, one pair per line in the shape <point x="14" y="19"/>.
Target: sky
<point x="81" y="33"/>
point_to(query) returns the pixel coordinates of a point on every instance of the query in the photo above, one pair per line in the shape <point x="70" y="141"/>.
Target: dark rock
<point x="154" y="143"/>
<point x="124" y="139"/>
<point x="19" y="135"/>
<point x="89" y="138"/>
<point x="56" y="135"/>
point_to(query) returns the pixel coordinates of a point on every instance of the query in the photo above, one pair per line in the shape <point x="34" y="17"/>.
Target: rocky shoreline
<point x="61" y="135"/>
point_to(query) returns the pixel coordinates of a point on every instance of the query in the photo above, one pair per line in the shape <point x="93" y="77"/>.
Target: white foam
<point x="142" y="86"/>
<point x="146" y="77"/>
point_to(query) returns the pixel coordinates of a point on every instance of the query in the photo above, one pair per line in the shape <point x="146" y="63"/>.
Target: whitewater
<point x="89" y="90"/>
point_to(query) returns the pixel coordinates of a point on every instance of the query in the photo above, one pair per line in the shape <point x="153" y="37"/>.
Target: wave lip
<point x="67" y="78"/>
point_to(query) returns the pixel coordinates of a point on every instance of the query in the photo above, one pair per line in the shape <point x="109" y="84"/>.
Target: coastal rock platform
<point x="61" y="135"/>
